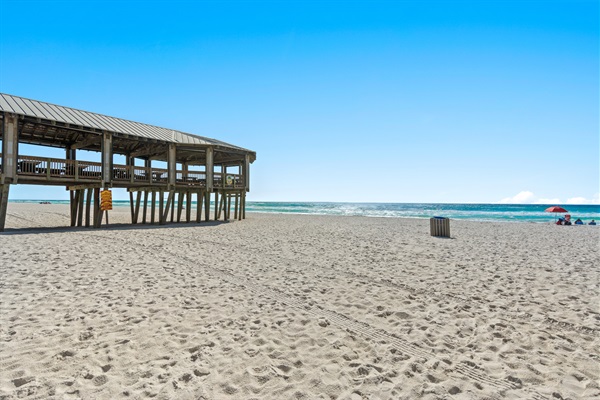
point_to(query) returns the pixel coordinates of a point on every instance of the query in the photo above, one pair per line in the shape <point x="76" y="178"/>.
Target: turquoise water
<point x="480" y="212"/>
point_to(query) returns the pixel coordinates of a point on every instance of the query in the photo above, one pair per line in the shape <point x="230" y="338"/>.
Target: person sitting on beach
<point x="567" y="220"/>
<point x="592" y="222"/>
<point x="578" y="222"/>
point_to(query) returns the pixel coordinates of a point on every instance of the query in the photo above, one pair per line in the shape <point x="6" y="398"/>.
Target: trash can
<point x="440" y="226"/>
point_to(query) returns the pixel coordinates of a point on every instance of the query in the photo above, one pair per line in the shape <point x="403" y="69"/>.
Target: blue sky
<point x="384" y="101"/>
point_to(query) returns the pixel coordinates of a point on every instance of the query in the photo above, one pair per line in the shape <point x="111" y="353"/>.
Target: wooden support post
<point x="170" y="202"/>
<point x="228" y="206"/>
<point x="71" y="200"/>
<point x="221" y="205"/>
<point x="88" y="203"/>
<point x="74" y="205"/>
<point x="131" y="204"/>
<point x="199" y="199"/>
<point x="171" y="165"/>
<point x="153" y="206"/>
<point x="188" y="210"/>
<point x="137" y="207"/>
<point x="145" y="206"/>
<point x="10" y="147"/>
<point x="224" y="196"/>
<point x="207" y="206"/>
<point x="246" y="172"/>
<point x="179" y="206"/>
<point x="236" y="206"/>
<point x="210" y="169"/>
<point x="161" y="203"/>
<point x="80" y="208"/>
<point x="107" y="159"/>
<point x="217" y="205"/>
<point x="244" y="204"/>
<point x="4" y="189"/>
<point x="172" y="208"/>
<point x="97" y="211"/>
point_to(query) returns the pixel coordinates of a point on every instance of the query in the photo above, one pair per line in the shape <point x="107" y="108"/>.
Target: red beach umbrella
<point x="555" y="209"/>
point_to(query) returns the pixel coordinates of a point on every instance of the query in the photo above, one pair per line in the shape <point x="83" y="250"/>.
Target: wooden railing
<point x="228" y="181"/>
<point x="58" y="168"/>
<point x="195" y="178"/>
<point x="92" y="171"/>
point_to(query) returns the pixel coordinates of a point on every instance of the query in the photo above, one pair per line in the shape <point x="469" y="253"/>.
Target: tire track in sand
<point x="466" y="369"/>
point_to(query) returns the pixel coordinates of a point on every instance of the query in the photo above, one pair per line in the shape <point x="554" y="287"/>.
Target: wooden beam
<point x="143" y="188"/>
<point x="89" y="186"/>
<point x="150" y="150"/>
<point x="92" y="140"/>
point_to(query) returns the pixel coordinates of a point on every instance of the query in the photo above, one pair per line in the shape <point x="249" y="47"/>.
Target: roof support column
<point x="107" y="159"/>
<point x="172" y="164"/>
<point x="209" y="169"/>
<point x="247" y="172"/>
<point x="10" y="147"/>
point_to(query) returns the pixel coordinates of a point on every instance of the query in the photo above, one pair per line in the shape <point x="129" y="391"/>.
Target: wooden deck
<point x="55" y="171"/>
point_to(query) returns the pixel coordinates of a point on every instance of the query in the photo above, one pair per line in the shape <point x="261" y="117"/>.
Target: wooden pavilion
<point x="196" y="166"/>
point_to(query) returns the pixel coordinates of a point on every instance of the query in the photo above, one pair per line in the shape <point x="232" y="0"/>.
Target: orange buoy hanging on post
<point x="105" y="200"/>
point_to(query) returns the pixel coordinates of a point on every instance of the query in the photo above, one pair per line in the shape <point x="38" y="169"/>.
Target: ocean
<point x="477" y="212"/>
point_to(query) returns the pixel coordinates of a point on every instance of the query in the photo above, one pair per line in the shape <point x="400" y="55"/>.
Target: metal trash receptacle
<point x="440" y="226"/>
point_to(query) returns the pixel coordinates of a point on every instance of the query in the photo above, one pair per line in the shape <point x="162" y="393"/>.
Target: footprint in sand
<point x="100" y="380"/>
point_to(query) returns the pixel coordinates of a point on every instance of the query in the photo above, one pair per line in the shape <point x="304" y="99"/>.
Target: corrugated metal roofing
<point x="52" y="112"/>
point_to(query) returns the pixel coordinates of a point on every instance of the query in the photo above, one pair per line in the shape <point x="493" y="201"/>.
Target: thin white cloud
<point x="523" y="197"/>
<point x="527" y="197"/>
<point x="583" y="200"/>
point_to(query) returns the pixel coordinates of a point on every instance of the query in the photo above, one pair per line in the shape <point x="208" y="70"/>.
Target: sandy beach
<point x="297" y="307"/>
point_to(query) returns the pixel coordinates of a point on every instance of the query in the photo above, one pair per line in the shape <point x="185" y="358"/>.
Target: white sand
<point x="303" y="307"/>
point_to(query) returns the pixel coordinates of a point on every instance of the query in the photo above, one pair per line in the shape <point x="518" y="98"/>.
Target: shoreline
<point x="537" y="217"/>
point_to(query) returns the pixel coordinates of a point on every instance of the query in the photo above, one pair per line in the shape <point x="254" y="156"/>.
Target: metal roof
<point x="90" y="120"/>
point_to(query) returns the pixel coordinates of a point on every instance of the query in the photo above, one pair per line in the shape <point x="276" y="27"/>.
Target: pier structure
<point x="193" y="167"/>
